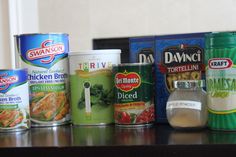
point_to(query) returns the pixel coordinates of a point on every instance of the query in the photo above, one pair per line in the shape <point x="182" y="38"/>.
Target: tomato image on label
<point x="124" y="117"/>
<point x="146" y="116"/>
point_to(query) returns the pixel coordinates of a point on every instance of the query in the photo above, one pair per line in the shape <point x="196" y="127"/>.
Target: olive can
<point x="14" y="100"/>
<point x="133" y="90"/>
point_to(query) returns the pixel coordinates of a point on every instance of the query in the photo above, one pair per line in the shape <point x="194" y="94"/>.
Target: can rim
<point x="131" y="64"/>
<point x="92" y="52"/>
<point x="14" y="69"/>
<point x="49" y="33"/>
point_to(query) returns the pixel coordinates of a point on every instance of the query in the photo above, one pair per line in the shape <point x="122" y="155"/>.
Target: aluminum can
<point x="14" y="100"/>
<point x="46" y="58"/>
<point x="133" y="101"/>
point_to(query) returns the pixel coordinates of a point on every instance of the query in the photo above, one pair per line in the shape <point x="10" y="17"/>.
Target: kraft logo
<point x="220" y="63"/>
<point x="5" y="81"/>
<point x="47" y="49"/>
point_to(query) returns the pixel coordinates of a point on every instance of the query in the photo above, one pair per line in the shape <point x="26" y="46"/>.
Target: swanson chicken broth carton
<point x="177" y="57"/>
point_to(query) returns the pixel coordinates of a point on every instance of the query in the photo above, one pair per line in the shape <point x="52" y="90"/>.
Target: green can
<point x="133" y="102"/>
<point x="92" y="86"/>
<point x="221" y="80"/>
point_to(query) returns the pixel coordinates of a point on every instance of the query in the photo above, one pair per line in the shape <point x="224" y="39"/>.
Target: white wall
<point x="87" y="19"/>
<point x="5" y="55"/>
<point x="16" y="17"/>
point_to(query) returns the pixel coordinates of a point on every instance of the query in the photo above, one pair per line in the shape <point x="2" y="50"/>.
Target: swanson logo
<point x="127" y="81"/>
<point x="47" y="49"/>
<point x="5" y="81"/>
<point x="220" y="63"/>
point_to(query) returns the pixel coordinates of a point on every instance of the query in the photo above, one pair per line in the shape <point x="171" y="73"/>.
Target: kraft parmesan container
<point x="177" y="57"/>
<point x="92" y="86"/>
<point x="14" y="100"/>
<point x="221" y="80"/>
<point x="46" y="58"/>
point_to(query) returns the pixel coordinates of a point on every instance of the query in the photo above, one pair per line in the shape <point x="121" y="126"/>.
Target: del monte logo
<point x="6" y="81"/>
<point x="46" y="52"/>
<point x="127" y="81"/>
<point x="220" y="63"/>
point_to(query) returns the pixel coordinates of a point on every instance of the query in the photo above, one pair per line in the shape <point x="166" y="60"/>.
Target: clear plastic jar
<point x="186" y="107"/>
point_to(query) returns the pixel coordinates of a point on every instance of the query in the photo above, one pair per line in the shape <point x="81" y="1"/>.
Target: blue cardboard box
<point x="142" y="49"/>
<point x="176" y="57"/>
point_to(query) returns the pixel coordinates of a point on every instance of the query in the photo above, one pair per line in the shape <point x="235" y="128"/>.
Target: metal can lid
<point x="95" y="52"/>
<point x="186" y="84"/>
<point x="32" y="34"/>
<point x="220" y="40"/>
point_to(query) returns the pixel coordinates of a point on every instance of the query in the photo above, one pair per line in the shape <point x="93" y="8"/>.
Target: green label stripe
<point x="47" y="88"/>
<point x="221" y="112"/>
<point x="7" y="106"/>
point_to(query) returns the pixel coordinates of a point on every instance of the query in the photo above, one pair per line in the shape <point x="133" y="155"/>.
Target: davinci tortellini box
<point x="177" y="57"/>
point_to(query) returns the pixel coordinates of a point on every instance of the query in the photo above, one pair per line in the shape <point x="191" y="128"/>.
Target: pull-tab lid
<point x="186" y="84"/>
<point x="220" y="40"/>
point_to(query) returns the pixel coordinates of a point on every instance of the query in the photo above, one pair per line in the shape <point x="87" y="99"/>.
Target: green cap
<point x="220" y="40"/>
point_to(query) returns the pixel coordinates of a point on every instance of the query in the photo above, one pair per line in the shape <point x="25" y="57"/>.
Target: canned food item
<point x="133" y="94"/>
<point x="46" y="57"/>
<point x="14" y="104"/>
<point x="221" y="80"/>
<point x="91" y="86"/>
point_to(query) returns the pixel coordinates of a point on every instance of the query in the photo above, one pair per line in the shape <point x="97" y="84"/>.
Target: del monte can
<point x="133" y="94"/>
<point x="221" y="80"/>
<point x="46" y="58"/>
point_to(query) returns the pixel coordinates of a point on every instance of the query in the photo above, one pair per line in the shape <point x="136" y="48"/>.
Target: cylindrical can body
<point x="14" y="100"/>
<point x="221" y="80"/>
<point x="133" y="94"/>
<point x="91" y="86"/>
<point x="46" y="58"/>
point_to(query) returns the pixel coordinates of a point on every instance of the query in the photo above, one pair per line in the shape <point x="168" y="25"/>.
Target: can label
<point x="14" y="104"/>
<point x="46" y="57"/>
<point x="133" y="94"/>
<point x="221" y="89"/>
<point x="221" y="85"/>
<point x="91" y="87"/>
